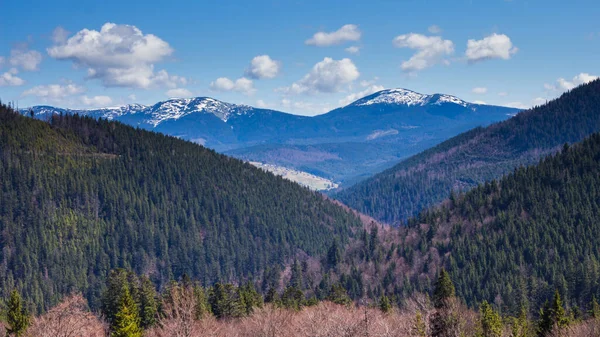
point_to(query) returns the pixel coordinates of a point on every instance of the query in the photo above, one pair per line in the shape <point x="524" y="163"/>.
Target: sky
<point x="302" y="57"/>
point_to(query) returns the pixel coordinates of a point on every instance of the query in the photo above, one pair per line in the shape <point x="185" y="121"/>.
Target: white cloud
<point x="263" y="66"/>
<point x="434" y="29"/>
<point x="2" y="60"/>
<point x="326" y="76"/>
<point x="503" y="94"/>
<point x="118" y="55"/>
<point x="430" y="50"/>
<point x="306" y="108"/>
<point x="54" y="92"/>
<point x="539" y="101"/>
<point x="495" y="46"/>
<point x="242" y="85"/>
<point x="344" y="34"/>
<point x="132" y="97"/>
<point x="479" y="90"/>
<point x="59" y="35"/>
<point x="517" y="105"/>
<point x="261" y="104"/>
<point x="564" y="85"/>
<point x="10" y="79"/>
<point x="358" y="95"/>
<point x="25" y="59"/>
<point x="179" y="93"/>
<point x="353" y="49"/>
<point x="96" y="101"/>
<point x="480" y="102"/>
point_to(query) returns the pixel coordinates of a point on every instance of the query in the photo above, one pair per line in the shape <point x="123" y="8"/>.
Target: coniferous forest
<point x="476" y="156"/>
<point x="159" y="235"/>
<point x="80" y="197"/>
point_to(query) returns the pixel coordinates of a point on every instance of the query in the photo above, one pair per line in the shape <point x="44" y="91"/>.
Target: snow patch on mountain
<point x="408" y="98"/>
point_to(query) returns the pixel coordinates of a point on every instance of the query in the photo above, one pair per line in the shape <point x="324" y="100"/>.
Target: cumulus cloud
<point x="326" y="76"/>
<point x="353" y="49"/>
<point x="179" y="93"/>
<point x="430" y="50"/>
<point x="96" y="101"/>
<point x="517" y="105"/>
<point x="59" y="35"/>
<point x="344" y="34"/>
<point x="118" y="55"/>
<point x="54" y="92"/>
<point x="434" y="29"/>
<point x="495" y="46"/>
<point x="305" y="108"/>
<point x="263" y="66"/>
<point x="261" y="104"/>
<point x="358" y="95"/>
<point x="479" y="90"/>
<point x="9" y="78"/>
<point x="25" y="59"/>
<point x="242" y="85"/>
<point x="564" y="85"/>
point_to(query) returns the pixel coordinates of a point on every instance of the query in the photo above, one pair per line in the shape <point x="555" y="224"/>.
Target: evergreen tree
<point x="594" y="311"/>
<point x="116" y="282"/>
<point x="148" y="306"/>
<point x="490" y="321"/>
<point x="444" y="321"/>
<point x="127" y="321"/>
<point x="334" y="255"/>
<point x="17" y="316"/>
<point x="384" y="304"/>
<point x="420" y="329"/>
<point x="339" y="295"/>
<point x="202" y="305"/>
<point x="444" y="289"/>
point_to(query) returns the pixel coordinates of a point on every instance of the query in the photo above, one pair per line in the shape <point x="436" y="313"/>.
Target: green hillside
<point x="477" y="156"/>
<point x="79" y="197"/>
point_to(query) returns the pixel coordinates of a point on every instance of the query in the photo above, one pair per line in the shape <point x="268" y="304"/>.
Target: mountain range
<point x="477" y="156"/>
<point x="343" y="145"/>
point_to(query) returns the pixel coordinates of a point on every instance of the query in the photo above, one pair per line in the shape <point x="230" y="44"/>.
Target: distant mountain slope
<point x="476" y="156"/>
<point x="515" y="240"/>
<point x="390" y="125"/>
<point x="79" y="197"/>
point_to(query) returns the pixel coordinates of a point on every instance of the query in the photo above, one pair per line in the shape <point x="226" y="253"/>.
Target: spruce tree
<point x="148" y="306"/>
<point x="17" y="316"/>
<point x="384" y="304"/>
<point x="444" y="321"/>
<point x="420" y="329"/>
<point x="127" y="321"/>
<point x="490" y="321"/>
<point x="594" y="311"/>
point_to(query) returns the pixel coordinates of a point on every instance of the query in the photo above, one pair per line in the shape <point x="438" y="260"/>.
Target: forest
<point x="80" y="197"/>
<point x="476" y="156"/>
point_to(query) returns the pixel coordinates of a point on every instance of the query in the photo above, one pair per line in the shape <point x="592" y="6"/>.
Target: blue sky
<point x="304" y="57"/>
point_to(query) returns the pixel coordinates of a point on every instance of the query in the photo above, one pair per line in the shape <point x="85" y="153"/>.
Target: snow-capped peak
<point x="178" y="107"/>
<point x="393" y="96"/>
<point x="407" y="97"/>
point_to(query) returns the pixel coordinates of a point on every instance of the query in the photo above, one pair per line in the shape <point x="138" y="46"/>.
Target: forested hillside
<point x="516" y="240"/>
<point x="477" y="156"/>
<point x="79" y="197"/>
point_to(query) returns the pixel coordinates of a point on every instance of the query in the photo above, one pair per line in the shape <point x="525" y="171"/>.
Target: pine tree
<point x="127" y="321"/>
<point x="444" y="289"/>
<point x="594" y="311"/>
<point x="339" y="295"/>
<point x="202" y="305"/>
<point x="561" y="320"/>
<point x="148" y="306"/>
<point x="334" y="255"/>
<point x="384" y="304"/>
<point x="17" y="316"/>
<point x="111" y="299"/>
<point x="419" y="328"/>
<point x="296" y="278"/>
<point x="444" y="321"/>
<point x="490" y="321"/>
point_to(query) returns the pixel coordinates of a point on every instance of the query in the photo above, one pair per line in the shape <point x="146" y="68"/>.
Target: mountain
<point x="477" y="156"/>
<point x="344" y="145"/>
<point x="81" y="196"/>
<point x="516" y="240"/>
